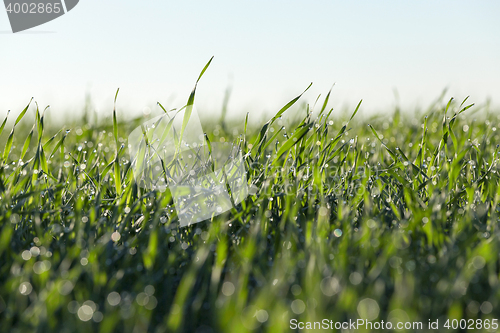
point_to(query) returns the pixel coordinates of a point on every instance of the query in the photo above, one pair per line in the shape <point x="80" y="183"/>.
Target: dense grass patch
<point x="392" y="217"/>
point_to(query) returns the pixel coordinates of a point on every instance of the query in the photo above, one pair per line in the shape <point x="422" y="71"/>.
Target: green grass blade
<point x="21" y="115"/>
<point x="115" y="123"/>
<point x="27" y="142"/>
<point x="8" y="146"/>
<point x="294" y="139"/>
<point x="4" y="122"/>
<point x="190" y="103"/>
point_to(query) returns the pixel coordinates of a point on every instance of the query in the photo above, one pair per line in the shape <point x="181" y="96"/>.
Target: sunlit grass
<point x="400" y="214"/>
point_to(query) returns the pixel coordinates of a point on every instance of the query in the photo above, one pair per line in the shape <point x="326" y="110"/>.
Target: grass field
<point x="394" y="218"/>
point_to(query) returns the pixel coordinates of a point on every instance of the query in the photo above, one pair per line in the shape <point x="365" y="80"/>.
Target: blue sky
<point x="269" y="51"/>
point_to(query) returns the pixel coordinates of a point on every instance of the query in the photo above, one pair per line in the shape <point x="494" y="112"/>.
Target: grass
<point x="394" y="217"/>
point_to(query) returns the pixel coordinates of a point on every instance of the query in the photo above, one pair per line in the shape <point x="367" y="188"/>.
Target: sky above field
<point x="267" y="51"/>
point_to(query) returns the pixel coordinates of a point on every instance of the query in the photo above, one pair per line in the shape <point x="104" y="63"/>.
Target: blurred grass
<point x="400" y="214"/>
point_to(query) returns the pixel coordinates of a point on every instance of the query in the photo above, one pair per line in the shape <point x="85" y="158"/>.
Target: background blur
<point x="267" y="51"/>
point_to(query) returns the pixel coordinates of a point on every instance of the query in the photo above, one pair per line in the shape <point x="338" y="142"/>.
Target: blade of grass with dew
<point x="190" y="103"/>
<point x="117" y="174"/>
